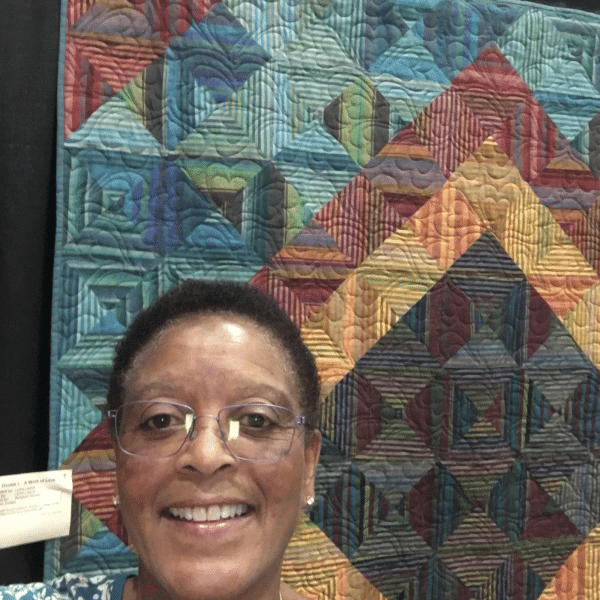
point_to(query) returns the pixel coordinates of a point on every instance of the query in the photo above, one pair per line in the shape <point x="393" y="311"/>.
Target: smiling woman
<point x="213" y="401"/>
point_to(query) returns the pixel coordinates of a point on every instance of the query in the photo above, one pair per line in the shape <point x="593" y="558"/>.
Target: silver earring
<point x="115" y="501"/>
<point x="310" y="500"/>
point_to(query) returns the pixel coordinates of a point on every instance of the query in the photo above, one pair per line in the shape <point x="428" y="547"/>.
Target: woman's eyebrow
<point x="153" y="388"/>
<point x="267" y="392"/>
<point x="243" y="391"/>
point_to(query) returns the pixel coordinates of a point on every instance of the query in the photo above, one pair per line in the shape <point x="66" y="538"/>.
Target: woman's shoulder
<point x="68" y="587"/>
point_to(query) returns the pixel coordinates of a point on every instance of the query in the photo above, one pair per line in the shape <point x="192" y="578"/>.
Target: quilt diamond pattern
<point x="417" y="184"/>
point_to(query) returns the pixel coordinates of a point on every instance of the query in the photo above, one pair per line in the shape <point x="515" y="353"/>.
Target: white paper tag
<point x="35" y="507"/>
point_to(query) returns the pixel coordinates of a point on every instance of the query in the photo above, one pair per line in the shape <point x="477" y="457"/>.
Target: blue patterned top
<point x="68" y="587"/>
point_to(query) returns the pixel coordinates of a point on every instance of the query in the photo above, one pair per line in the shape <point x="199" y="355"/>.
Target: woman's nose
<point x="204" y="450"/>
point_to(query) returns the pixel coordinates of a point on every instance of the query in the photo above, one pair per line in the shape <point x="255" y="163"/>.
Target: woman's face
<point x="208" y="362"/>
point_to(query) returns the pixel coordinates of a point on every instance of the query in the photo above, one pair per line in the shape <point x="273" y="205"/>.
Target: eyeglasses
<point x="254" y="431"/>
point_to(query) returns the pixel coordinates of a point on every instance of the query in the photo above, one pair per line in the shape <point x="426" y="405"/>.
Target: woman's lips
<point x="214" y="512"/>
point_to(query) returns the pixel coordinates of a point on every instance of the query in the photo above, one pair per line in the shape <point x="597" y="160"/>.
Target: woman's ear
<point x="312" y="450"/>
<point x="111" y="435"/>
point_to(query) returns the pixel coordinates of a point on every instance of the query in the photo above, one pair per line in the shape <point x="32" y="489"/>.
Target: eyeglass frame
<point x="298" y="421"/>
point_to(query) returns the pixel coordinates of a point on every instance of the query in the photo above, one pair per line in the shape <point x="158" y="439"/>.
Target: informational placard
<point x="35" y="507"/>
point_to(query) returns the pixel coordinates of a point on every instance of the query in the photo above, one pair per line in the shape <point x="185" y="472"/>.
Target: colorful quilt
<point x="417" y="183"/>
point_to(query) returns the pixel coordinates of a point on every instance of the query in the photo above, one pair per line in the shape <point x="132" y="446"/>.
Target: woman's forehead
<point x="232" y="334"/>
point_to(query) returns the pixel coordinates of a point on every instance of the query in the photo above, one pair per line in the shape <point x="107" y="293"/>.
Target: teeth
<point x="215" y="512"/>
<point x="199" y="514"/>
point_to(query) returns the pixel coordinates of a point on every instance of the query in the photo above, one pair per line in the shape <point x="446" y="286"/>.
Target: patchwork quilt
<point x="417" y="184"/>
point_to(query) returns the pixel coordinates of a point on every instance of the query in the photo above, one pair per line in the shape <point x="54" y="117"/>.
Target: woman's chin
<point x="210" y="560"/>
<point x="204" y="580"/>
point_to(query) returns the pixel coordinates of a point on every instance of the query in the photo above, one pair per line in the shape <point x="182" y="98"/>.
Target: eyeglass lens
<point x="254" y="431"/>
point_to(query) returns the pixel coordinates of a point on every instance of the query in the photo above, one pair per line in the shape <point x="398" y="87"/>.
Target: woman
<point x="213" y="400"/>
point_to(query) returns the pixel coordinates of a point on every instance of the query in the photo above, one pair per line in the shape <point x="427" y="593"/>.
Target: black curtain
<point x="589" y="5"/>
<point x="28" y="74"/>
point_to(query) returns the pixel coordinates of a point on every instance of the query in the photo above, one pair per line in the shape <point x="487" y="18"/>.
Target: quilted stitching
<point x="417" y="184"/>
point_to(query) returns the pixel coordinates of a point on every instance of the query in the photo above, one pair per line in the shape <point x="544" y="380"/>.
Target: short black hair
<point x="195" y="297"/>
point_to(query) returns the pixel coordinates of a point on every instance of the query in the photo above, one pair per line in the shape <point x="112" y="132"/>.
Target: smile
<point x="215" y="512"/>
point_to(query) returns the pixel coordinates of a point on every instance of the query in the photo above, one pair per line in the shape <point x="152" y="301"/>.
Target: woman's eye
<point x="161" y="421"/>
<point x="255" y="421"/>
